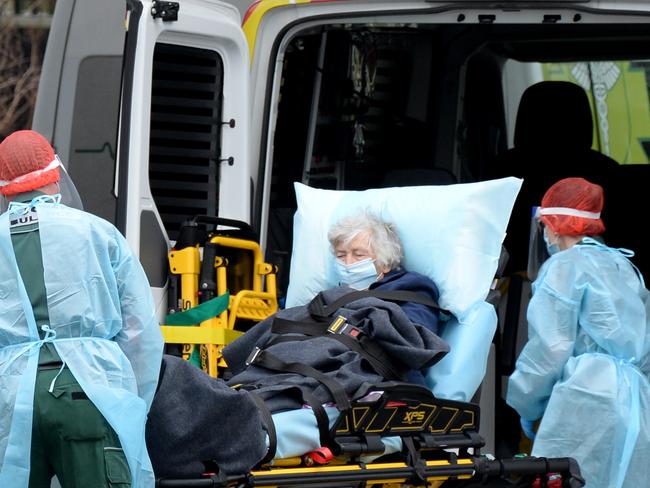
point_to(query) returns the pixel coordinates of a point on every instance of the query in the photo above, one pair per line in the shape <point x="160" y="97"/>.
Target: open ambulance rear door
<point x="146" y="103"/>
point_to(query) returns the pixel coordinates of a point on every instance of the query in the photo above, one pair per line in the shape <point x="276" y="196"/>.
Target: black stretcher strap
<point x="267" y="360"/>
<point x="371" y="352"/>
<point x="317" y="307"/>
<point x="306" y="397"/>
<point x="413" y="459"/>
<point x="322" y="420"/>
<point x="267" y="420"/>
<point x="306" y="327"/>
<point x="385" y="369"/>
<point x="361" y="343"/>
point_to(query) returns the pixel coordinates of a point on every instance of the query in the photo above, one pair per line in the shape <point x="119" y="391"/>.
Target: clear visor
<point x="69" y="194"/>
<point x="537" y="250"/>
<point x="65" y="187"/>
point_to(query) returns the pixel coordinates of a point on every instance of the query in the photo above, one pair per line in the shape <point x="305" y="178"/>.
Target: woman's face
<point x="357" y="250"/>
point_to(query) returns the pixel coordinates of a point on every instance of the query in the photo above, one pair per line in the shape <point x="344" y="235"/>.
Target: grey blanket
<point x="407" y="345"/>
<point x="196" y="419"/>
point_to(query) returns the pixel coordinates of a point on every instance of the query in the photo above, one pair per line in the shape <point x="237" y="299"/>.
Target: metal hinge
<point x="167" y="11"/>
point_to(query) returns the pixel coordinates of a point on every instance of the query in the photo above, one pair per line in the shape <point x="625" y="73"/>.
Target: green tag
<point x="200" y="313"/>
<point x="195" y="357"/>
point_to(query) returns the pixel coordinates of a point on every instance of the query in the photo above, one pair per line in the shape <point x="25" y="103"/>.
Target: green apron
<point x="70" y="437"/>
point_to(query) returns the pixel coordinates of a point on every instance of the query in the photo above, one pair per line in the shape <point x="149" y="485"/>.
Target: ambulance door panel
<point x="180" y="155"/>
<point x="79" y="94"/>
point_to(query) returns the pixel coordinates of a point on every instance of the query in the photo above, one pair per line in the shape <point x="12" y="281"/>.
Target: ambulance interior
<point x="415" y="104"/>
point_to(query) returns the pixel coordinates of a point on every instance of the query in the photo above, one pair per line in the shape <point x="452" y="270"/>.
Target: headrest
<point x="554" y="114"/>
<point x="450" y="233"/>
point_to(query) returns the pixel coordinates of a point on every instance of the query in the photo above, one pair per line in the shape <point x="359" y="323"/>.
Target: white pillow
<point x="451" y="233"/>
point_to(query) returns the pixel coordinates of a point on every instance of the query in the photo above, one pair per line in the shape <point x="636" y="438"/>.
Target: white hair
<point x="383" y="240"/>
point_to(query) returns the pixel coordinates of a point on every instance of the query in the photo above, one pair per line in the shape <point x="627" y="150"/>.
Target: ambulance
<point x="166" y="110"/>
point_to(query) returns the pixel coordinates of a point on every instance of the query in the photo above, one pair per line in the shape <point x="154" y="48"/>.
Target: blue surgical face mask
<point x="359" y="275"/>
<point x="551" y="248"/>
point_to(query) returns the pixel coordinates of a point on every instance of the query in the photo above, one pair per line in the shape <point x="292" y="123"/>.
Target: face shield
<point x="65" y="187"/>
<point x="69" y="194"/>
<point x="540" y="249"/>
<point x="537" y="249"/>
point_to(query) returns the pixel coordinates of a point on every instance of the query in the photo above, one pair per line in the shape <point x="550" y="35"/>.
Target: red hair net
<point x="22" y="153"/>
<point x="579" y="194"/>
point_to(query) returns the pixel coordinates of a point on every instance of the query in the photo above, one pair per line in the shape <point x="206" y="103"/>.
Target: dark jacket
<point x="411" y="281"/>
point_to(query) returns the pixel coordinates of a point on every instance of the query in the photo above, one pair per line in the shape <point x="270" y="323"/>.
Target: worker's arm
<point x="552" y="328"/>
<point x="140" y="337"/>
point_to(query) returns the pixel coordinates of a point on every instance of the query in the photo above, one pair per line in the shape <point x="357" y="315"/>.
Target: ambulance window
<point x="618" y="92"/>
<point x="93" y="140"/>
<point x="185" y="137"/>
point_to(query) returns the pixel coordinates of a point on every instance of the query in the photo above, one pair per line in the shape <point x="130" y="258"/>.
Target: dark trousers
<point x="71" y="438"/>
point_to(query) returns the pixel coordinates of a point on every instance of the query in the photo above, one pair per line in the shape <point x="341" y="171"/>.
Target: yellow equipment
<point x="220" y="284"/>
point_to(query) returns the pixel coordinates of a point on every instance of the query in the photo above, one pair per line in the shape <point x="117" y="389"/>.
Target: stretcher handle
<point x="212" y="482"/>
<point x="497" y="468"/>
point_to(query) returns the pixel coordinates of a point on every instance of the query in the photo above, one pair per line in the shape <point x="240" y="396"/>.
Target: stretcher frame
<point x="441" y="449"/>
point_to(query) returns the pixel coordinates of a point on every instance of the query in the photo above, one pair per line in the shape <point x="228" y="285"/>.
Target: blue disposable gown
<point x="584" y="370"/>
<point x="103" y="325"/>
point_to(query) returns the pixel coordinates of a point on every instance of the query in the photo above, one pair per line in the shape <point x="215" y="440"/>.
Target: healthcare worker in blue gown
<point x="584" y="370"/>
<point x="80" y="346"/>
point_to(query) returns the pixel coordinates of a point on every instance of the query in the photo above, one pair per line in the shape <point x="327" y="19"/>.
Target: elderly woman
<point x="368" y="254"/>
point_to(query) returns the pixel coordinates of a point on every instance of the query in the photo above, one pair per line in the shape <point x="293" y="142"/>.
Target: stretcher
<point x="394" y="434"/>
